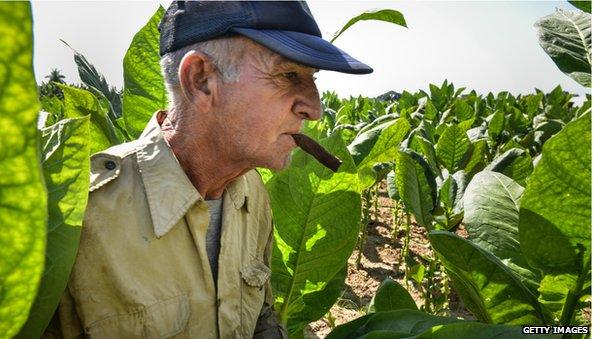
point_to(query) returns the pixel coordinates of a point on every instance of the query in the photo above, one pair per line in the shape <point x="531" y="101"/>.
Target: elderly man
<point x="177" y="235"/>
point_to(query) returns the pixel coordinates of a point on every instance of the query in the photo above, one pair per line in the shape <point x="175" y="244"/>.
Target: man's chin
<point x="279" y="164"/>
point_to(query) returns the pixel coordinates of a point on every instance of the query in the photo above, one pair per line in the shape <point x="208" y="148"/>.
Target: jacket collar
<point x="169" y="191"/>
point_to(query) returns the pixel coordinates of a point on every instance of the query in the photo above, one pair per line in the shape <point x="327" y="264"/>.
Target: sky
<point x="488" y="46"/>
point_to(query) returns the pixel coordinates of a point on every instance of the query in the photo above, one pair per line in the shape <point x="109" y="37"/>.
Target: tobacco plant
<point x="440" y="151"/>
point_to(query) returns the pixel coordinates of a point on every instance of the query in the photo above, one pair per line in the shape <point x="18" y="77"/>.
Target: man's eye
<point x="291" y="76"/>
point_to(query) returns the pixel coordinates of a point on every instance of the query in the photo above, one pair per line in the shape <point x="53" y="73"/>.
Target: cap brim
<point x="305" y="49"/>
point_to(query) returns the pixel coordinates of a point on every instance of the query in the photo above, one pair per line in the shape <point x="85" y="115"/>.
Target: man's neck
<point x="208" y="169"/>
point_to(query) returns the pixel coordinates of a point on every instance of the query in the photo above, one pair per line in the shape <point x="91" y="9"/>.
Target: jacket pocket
<point x="164" y="319"/>
<point x="255" y="276"/>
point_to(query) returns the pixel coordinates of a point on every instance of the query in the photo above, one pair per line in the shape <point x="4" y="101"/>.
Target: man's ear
<point x="197" y="77"/>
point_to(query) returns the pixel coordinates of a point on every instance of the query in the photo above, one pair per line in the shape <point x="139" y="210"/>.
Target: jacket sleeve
<point x="268" y="325"/>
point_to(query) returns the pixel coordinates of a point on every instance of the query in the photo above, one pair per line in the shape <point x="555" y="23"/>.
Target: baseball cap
<point x="285" y="27"/>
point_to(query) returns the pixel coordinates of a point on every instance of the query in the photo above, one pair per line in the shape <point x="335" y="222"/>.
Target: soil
<point x="381" y="258"/>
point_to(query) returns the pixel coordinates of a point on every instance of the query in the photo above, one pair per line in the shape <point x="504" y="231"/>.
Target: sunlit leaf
<point x="316" y="216"/>
<point x="65" y="151"/>
<point x="23" y="197"/>
<point x="388" y="15"/>
<point x="490" y="290"/>
<point x="566" y="37"/>
<point x="144" y="87"/>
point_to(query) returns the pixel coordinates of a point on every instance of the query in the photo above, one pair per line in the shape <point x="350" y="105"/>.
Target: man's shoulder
<point x="107" y="165"/>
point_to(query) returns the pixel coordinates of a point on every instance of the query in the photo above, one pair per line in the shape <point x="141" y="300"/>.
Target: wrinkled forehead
<point x="283" y="63"/>
<point x="273" y="61"/>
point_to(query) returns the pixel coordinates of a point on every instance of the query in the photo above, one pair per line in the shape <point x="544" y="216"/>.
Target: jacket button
<point x="110" y="165"/>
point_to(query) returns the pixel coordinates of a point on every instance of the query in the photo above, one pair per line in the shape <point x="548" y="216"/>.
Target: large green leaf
<point x="52" y="105"/>
<point x="514" y="163"/>
<point x="566" y="37"/>
<point x="317" y="304"/>
<point x="65" y="149"/>
<point x="452" y="148"/>
<point x="555" y="214"/>
<point x="556" y="104"/>
<point x="423" y="146"/>
<point x="555" y="218"/>
<point x="430" y="112"/>
<point x="491" y="203"/>
<point x="405" y="322"/>
<point x="478" y="158"/>
<point x="392" y="186"/>
<point x="533" y="104"/>
<point x="391" y="296"/>
<point x="79" y="103"/>
<point x="416" y="186"/>
<point x="350" y="329"/>
<point x="553" y="291"/>
<point x="545" y="130"/>
<point x="496" y="125"/>
<point x="379" y="144"/>
<point x="23" y="198"/>
<point x="489" y="289"/>
<point x="415" y="324"/>
<point x="144" y="87"/>
<point x="92" y="78"/>
<point x="316" y="216"/>
<point x="463" y="111"/>
<point x="449" y="212"/>
<point x="439" y="98"/>
<point x="388" y="15"/>
<point x="96" y="82"/>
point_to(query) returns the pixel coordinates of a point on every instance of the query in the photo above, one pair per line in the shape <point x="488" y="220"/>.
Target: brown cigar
<point x="312" y="147"/>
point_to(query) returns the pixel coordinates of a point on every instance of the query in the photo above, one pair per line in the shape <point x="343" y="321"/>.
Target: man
<point x="177" y="235"/>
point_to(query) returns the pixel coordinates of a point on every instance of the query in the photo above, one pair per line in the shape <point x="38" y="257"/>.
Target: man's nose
<point x="308" y="104"/>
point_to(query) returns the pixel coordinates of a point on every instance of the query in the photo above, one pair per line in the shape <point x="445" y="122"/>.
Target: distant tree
<point x="56" y="76"/>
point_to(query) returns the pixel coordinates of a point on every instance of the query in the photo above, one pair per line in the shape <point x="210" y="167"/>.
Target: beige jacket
<point x="142" y="268"/>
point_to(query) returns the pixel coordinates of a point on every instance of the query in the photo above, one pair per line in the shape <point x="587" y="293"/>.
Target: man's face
<point x="265" y="106"/>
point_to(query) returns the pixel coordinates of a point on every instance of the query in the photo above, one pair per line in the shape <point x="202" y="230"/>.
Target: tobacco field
<point x="499" y="186"/>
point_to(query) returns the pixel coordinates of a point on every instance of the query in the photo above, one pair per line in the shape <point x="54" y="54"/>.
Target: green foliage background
<point x="513" y="169"/>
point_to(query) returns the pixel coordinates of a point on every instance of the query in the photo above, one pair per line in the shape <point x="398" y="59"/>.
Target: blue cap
<point x="285" y="27"/>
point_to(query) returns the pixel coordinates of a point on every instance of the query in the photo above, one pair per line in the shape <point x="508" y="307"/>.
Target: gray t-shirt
<point x="213" y="235"/>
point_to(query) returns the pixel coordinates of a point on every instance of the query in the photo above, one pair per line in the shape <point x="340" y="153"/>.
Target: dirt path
<point x="381" y="259"/>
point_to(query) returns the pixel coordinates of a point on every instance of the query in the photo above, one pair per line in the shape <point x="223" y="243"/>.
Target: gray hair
<point x="225" y="54"/>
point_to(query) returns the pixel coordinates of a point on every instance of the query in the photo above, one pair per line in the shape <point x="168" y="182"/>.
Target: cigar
<point x="316" y="150"/>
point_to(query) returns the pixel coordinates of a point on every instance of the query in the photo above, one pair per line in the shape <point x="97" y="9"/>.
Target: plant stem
<point x="429" y="301"/>
<point x="397" y="221"/>
<point x="573" y="295"/>
<point x="376" y="213"/>
<point x="405" y="248"/>
<point x="395" y="212"/>
<point x="407" y="238"/>
<point x="363" y="225"/>
<point x="331" y="321"/>
<point x="446" y="289"/>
